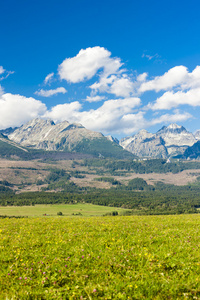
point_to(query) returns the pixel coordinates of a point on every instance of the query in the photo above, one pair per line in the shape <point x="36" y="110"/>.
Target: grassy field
<point x="148" y="257"/>
<point x="86" y="210"/>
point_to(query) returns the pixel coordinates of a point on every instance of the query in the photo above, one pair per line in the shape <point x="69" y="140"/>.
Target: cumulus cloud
<point x="122" y="87"/>
<point x="62" y="112"/>
<point x="192" y="79"/>
<point x="120" y="118"/>
<point x="121" y="115"/>
<point x="48" y="78"/>
<point x="142" y="77"/>
<point x="117" y="116"/>
<point x="1" y="70"/>
<point x="16" y="110"/>
<point x="49" y="93"/>
<point x="87" y="63"/>
<point x="173" y="99"/>
<point x="170" y="79"/>
<point x="104" y="84"/>
<point x="178" y="77"/>
<point x="106" y="118"/>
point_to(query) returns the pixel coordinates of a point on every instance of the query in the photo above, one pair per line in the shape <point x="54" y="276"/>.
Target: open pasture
<point x="40" y="210"/>
<point x="136" y="257"/>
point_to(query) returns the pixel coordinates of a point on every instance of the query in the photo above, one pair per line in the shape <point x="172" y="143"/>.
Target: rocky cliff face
<point x="168" y="141"/>
<point x="45" y="134"/>
<point x="145" y="144"/>
<point x="112" y="139"/>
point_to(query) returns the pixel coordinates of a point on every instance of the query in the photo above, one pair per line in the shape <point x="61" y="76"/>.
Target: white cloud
<point x="122" y="87"/>
<point x="16" y="110"/>
<point x="142" y="77"/>
<point x="170" y="79"/>
<point x="192" y="80"/>
<point x="103" y="85"/>
<point x="171" y="118"/>
<point x="173" y="99"/>
<point x="117" y="116"/>
<point x="112" y="79"/>
<point x="135" y="122"/>
<point x="87" y="63"/>
<point x="48" y="78"/>
<point x="1" y="91"/>
<point x="178" y="86"/>
<point x="49" y="93"/>
<point x="62" y="112"/>
<point x="1" y="70"/>
<point x="94" y="98"/>
<point x="106" y="118"/>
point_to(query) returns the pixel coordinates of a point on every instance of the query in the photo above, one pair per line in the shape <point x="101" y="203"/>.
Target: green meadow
<point x="86" y="210"/>
<point x="133" y="257"/>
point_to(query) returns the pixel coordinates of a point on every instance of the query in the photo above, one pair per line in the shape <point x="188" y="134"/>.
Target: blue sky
<point x="114" y="66"/>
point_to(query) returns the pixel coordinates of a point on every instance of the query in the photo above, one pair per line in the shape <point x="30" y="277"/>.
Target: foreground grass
<point x="86" y="210"/>
<point x="148" y="257"/>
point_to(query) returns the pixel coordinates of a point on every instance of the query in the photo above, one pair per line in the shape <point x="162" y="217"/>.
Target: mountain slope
<point x="168" y="141"/>
<point x="46" y="135"/>
<point x="145" y="144"/>
<point x="9" y="148"/>
<point x="192" y="152"/>
<point x="177" y="139"/>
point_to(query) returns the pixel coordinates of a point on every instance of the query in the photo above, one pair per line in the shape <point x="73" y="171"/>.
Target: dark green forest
<point x="116" y="167"/>
<point x="137" y="196"/>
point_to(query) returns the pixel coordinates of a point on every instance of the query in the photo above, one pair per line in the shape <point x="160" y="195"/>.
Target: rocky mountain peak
<point x="172" y="128"/>
<point x="169" y="140"/>
<point x="112" y="139"/>
<point x="145" y="144"/>
<point x="39" y="122"/>
<point x="143" y="134"/>
<point x="45" y="134"/>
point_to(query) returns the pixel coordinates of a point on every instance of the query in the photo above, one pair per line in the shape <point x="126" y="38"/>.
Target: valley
<point x="25" y="175"/>
<point x="46" y="163"/>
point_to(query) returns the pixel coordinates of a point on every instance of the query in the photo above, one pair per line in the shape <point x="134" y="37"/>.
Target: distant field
<point x="148" y="257"/>
<point x="52" y="210"/>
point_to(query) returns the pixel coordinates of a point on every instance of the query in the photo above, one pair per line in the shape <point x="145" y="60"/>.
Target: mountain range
<point x="63" y="137"/>
<point x="74" y="138"/>
<point x="166" y="142"/>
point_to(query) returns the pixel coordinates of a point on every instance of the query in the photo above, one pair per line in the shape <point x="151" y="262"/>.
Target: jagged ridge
<point x="45" y="134"/>
<point x="168" y="141"/>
